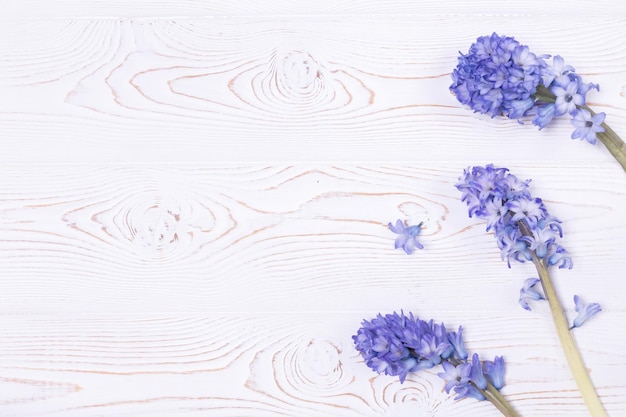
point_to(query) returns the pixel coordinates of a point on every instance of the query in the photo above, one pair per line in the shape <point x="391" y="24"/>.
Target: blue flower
<point x="454" y="376"/>
<point x="541" y="240"/>
<point x="527" y="209"/>
<point x="476" y="373"/>
<point x="587" y="126"/>
<point x="567" y="95"/>
<point x="501" y="77"/>
<point x="505" y="203"/>
<point x="512" y="244"/>
<point x="585" y="311"/>
<point x="495" y="371"/>
<point x="407" y="238"/>
<point x="431" y="348"/>
<point x="556" y="70"/>
<point x="493" y="211"/>
<point x="558" y="256"/>
<point x="396" y="344"/>
<point x="498" y="76"/>
<point x="467" y="378"/>
<point x="551" y="223"/>
<point x="544" y="115"/>
<point x="458" y="377"/>
<point x="468" y="391"/>
<point x="529" y="293"/>
<point x="456" y="340"/>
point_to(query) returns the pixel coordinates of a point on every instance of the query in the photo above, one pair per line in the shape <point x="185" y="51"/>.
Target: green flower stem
<point x="613" y="143"/>
<point x="544" y="95"/>
<point x="572" y="354"/>
<point x="498" y="400"/>
<point x="609" y="138"/>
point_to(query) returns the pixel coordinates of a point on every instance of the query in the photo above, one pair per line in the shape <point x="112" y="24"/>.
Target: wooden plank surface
<point x="194" y="202"/>
<point x="281" y="89"/>
<point x="222" y="8"/>
<point x="240" y="238"/>
<point x="268" y="364"/>
<point x="233" y="290"/>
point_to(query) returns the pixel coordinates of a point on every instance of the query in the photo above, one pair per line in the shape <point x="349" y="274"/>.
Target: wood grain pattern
<point x="94" y="256"/>
<point x="195" y="194"/>
<point x="266" y="364"/>
<point x="350" y="88"/>
<point x="194" y="8"/>
<point x="278" y="238"/>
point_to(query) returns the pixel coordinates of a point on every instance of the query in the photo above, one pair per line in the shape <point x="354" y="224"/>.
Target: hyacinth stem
<point x="545" y="95"/>
<point x="613" y="143"/>
<point x="572" y="353"/>
<point x="498" y="400"/>
<point x="609" y="138"/>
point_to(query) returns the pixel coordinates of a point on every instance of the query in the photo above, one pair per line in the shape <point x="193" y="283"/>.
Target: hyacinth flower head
<point x="501" y="77"/>
<point x="526" y="231"/>
<point x="398" y="344"/>
<point x="521" y="223"/>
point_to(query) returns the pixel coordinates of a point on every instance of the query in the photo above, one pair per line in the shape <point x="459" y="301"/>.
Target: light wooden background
<point x="194" y="198"/>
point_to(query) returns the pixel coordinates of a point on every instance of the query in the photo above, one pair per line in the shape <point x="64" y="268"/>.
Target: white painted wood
<point x="248" y="238"/>
<point x="265" y="271"/>
<point x="270" y="364"/>
<point x="227" y="8"/>
<point x="194" y="202"/>
<point x="354" y="88"/>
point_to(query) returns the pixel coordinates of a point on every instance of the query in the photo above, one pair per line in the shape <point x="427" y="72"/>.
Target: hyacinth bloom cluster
<point x="397" y="344"/>
<point x="504" y="202"/>
<point x="501" y="77"/>
<point x="525" y="231"/>
<point x="521" y="224"/>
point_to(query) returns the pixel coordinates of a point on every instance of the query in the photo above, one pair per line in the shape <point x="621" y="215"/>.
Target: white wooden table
<point x="194" y="198"/>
